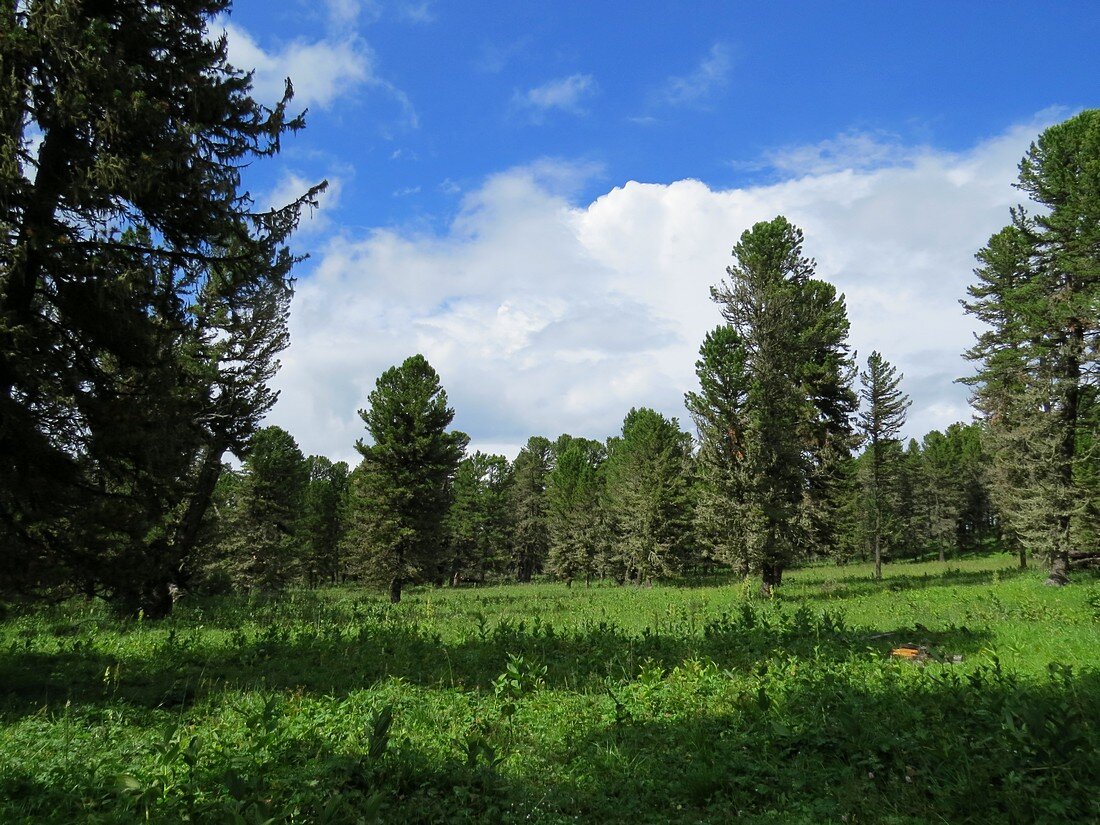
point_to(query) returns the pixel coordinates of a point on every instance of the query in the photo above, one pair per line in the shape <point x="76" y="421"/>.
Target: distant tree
<point x="401" y="493"/>
<point x="143" y="299"/>
<point x="574" y="498"/>
<point x="939" y="494"/>
<point x="797" y="386"/>
<point x="531" y="536"/>
<point x="261" y="546"/>
<point x="322" y="519"/>
<point x="479" y="520"/>
<point x="881" y="419"/>
<point x="648" y="496"/>
<point x="1038" y="291"/>
<point x="718" y="410"/>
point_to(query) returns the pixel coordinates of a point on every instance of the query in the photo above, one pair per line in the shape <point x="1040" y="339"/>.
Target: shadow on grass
<point x="852" y="586"/>
<point x="817" y="745"/>
<point x="337" y="659"/>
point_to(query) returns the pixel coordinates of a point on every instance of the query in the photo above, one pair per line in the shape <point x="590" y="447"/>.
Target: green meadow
<point x="542" y="703"/>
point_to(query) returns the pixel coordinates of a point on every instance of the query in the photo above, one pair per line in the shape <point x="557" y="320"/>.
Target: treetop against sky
<point x="538" y="197"/>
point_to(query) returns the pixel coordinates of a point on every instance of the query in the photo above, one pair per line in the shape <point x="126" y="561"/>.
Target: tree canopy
<point x="143" y="298"/>
<point x="793" y="384"/>
<point x="402" y="488"/>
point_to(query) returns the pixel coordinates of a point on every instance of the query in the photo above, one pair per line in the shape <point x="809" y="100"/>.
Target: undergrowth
<point x="541" y="703"/>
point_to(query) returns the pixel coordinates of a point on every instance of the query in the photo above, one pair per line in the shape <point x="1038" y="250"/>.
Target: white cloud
<point x="320" y="71"/>
<point x="344" y="12"/>
<point x="566" y="94"/>
<point x="417" y="12"/>
<point x="851" y="150"/>
<point x="709" y="78"/>
<point x="543" y="316"/>
<point x="291" y="186"/>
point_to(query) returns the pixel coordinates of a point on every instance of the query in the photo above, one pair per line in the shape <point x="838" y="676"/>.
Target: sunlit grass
<point x="546" y="703"/>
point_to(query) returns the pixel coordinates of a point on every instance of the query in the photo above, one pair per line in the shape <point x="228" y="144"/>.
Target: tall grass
<point x="541" y="703"/>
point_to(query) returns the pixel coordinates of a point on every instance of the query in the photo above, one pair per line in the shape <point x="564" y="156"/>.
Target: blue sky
<point x="537" y="195"/>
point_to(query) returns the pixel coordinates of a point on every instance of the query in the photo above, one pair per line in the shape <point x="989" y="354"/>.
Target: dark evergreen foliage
<point x="402" y="489"/>
<point x="880" y="420"/>
<point x="648" y="496"/>
<point x="531" y="532"/>
<point x="1039" y="362"/>
<point x="798" y="407"/>
<point x="479" y="520"/>
<point x="142" y="297"/>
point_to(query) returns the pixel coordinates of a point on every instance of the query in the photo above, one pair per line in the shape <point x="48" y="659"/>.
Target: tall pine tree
<point x="648" y="495"/>
<point x="797" y="418"/>
<point x="575" y="509"/>
<point x="883" y="415"/>
<point x="143" y="299"/>
<point x="718" y="410"/>
<point x="531" y="537"/>
<point x="1038" y="362"/>
<point x="402" y="489"/>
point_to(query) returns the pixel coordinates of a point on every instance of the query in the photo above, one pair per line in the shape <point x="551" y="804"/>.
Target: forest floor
<point x="540" y="703"/>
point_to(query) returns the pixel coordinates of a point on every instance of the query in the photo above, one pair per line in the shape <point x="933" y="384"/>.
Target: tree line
<point x="630" y="509"/>
<point x="144" y="302"/>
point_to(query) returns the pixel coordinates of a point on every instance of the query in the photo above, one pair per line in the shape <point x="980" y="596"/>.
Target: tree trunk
<point x="146" y="600"/>
<point x="1059" y="557"/>
<point x="1059" y="568"/>
<point x="1023" y="557"/>
<point x="772" y="575"/>
<point x="878" y="549"/>
<point x="395" y="590"/>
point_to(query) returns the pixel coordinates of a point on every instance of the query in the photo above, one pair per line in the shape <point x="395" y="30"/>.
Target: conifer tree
<point x="479" y="520"/>
<point x="143" y="300"/>
<point x="648" y="495"/>
<point x="531" y="538"/>
<point x="718" y="411"/>
<point x="1038" y="364"/>
<point x="574" y="499"/>
<point x="797" y="386"/>
<point x="322" y="520"/>
<point x="402" y="489"/>
<point x="883" y="416"/>
<point x="262" y="547"/>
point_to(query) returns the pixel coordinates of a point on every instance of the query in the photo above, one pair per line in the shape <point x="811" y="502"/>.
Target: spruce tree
<point x="143" y="299"/>
<point x="531" y="538"/>
<point x="262" y="546"/>
<point x="718" y="411"/>
<point x="797" y="377"/>
<point x="402" y="489"/>
<point x="880" y="420"/>
<point x="479" y="520"/>
<point x="322" y="520"/>
<point x="648" y="495"/>
<point x="1038" y="291"/>
<point x="575" y="509"/>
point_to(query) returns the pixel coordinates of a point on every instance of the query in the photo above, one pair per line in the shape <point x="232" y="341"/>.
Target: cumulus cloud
<point x="321" y="71"/>
<point x="566" y="94"/>
<point x="346" y="12"/>
<point x="709" y="78"/>
<point x="545" y="316"/>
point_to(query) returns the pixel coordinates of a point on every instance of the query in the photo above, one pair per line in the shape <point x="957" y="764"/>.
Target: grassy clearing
<point x="546" y="704"/>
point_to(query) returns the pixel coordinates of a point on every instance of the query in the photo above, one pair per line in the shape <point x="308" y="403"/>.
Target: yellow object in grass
<point x="905" y="652"/>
